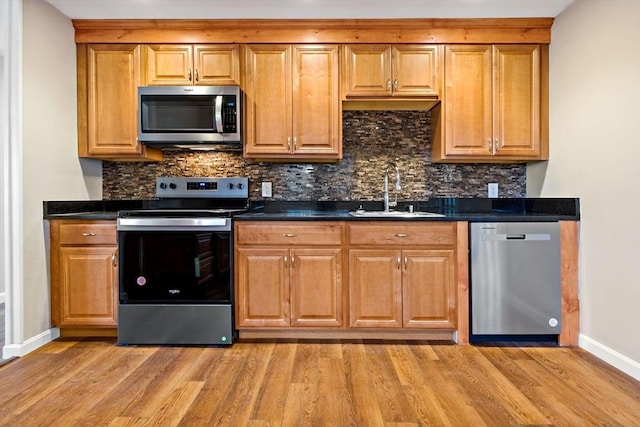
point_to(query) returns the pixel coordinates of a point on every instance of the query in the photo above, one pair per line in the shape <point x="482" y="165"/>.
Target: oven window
<point x="174" y="266"/>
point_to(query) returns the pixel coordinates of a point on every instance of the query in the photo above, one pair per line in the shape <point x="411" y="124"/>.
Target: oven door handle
<point x="173" y="224"/>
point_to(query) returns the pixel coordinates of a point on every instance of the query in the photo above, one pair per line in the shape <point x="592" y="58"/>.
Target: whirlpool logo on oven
<point x="174" y="291"/>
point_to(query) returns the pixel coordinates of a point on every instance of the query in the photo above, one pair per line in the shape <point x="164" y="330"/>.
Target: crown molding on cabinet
<point x="499" y="30"/>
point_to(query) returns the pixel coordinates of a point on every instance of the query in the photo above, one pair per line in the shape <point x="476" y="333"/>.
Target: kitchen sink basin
<point x="392" y="214"/>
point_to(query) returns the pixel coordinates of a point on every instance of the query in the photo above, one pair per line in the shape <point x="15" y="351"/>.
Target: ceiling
<point x="307" y="9"/>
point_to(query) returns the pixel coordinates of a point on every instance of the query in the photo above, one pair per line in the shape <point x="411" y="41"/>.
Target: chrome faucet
<point x="387" y="203"/>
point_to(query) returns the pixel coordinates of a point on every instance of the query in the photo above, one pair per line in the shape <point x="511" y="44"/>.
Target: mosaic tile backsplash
<point x="371" y="139"/>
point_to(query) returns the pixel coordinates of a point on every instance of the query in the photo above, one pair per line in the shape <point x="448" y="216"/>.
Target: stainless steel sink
<point x="392" y="214"/>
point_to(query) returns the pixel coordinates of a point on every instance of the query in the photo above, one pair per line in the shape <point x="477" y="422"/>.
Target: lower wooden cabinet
<point x="288" y="275"/>
<point x="402" y="288"/>
<point x="402" y="276"/>
<point x="84" y="274"/>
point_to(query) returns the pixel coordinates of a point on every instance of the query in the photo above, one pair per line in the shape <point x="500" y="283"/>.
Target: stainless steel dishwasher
<point x="515" y="278"/>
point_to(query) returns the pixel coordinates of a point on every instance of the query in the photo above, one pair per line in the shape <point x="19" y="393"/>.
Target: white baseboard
<point x="19" y="350"/>
<point x="612" y="357"/>
<point x="2" y="296"/>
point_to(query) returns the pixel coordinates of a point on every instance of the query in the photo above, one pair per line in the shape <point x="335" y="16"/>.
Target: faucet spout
<point x="387" y="203"/>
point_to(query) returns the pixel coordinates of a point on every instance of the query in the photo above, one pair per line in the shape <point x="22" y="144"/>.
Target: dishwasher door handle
<point x="516" y="236"/>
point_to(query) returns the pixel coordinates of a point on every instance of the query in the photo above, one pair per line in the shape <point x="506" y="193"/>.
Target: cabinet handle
<point x="293" y="261"/>
<point x="288" y="143"/>
<point x="189" y="74"/>
<point x="114" y="258"/>
<point x="195" y="74"/>
<point x="389" y="85"/>
<point x="288" y="235"/>
<point x="398" y="262"/>
<point x="85" y="234"/>
<point x="401" y="235"/>
<point x="406" y="262"/>
<point x="395" y="85"/>
<point x="490" y="142"/>
<point x="286" y="261"/>
<point x="295" y="143"/>
<point x="495" y="143"/>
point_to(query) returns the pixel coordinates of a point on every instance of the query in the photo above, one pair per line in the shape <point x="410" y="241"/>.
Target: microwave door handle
<point x="217" y="114"/>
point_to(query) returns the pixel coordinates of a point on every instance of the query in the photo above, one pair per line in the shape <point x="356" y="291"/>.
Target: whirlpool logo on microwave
<point x="174" y="291"/>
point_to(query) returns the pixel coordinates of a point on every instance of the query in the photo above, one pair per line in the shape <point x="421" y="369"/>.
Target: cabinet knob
<point x="288" y="235"/>
<point x="85" y="234"/>
<point x="401" y="235"/>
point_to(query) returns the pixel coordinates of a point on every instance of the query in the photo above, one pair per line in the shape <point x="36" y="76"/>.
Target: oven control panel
<point x="228" y="187"/>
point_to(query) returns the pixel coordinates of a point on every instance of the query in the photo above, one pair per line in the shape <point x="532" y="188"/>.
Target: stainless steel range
<point x="176" y="263"/>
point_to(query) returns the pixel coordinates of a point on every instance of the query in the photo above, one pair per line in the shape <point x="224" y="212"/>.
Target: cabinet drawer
<point x="88" y="234"/>
<point x="407" y="233"/>
<point x="289" y="234"/>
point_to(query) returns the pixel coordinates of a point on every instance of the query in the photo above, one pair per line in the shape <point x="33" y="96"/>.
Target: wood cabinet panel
<point x="87" y="234"/>
<point x="88" y="287"/>
<point x="186" y="65"/>
<point x="405" y="233"/>
<point x="292" y="104"/>
<point x="84" y="274"/>
<point x="383" y="71"/>
<point x="429" y="289"/>
<point x="262" y="291"/>
<point x="288" y="275"/>
<point x="316" y="291"/>
<point x="493" y="107"/>
<point x="108" y="80"/>
<point x="375" y="289"/>
<point x="292" y="233"/>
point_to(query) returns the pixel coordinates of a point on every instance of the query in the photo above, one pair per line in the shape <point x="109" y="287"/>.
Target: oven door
<point x="175" y="267"/>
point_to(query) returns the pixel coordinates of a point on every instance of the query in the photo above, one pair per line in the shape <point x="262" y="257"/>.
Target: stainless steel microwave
<point x="190" y="117"/>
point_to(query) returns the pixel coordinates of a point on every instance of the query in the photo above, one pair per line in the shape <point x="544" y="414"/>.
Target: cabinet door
<point x="169" y="64"/>
<point x="268" y="94"/>
<point x="367" y="70"/>
<point x="316" y="287"/>
<point x="216" y="64"/>
<point x="517" y="100"/>
<point x="375" y="289"/>
<point x="108" y="80"/>
<point x="428" y="289"/>
<point x="262" y="287"/>
<point x="415" y="70"/>
<point x="88" y="286"/>
<point x="468" y="122"/>
<point x="317" y="120"/>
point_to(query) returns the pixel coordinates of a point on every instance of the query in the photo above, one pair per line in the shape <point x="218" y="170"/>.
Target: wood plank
<point x="507" y="30"/>
<point x="569" y="283"/>
<point x="314" y="382"/>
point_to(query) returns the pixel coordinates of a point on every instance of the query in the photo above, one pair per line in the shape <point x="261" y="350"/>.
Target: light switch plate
<point x="492" y="190"/>
<point x="266" y="189"/>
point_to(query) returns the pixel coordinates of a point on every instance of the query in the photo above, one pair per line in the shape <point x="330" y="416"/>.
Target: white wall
<point x="595" y="155"/>
<point x="51" y="168"/>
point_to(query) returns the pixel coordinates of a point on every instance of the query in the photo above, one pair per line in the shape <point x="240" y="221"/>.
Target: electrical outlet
<point x="266" y="189"/>
<point x="492" y="190"/>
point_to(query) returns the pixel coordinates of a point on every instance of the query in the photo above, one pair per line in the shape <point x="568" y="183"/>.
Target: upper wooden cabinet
<point x="292" y="102"/>
<point x="183" y="65"/>
<point x="376" y="70"/>
<point x="494" y="104"/>
<point x="108" y="80"/>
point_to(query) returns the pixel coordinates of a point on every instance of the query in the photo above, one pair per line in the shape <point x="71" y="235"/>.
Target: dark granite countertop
<point x="452" y="209"/>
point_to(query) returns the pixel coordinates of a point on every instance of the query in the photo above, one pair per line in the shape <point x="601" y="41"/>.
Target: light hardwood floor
<point x="321" y="383"/>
